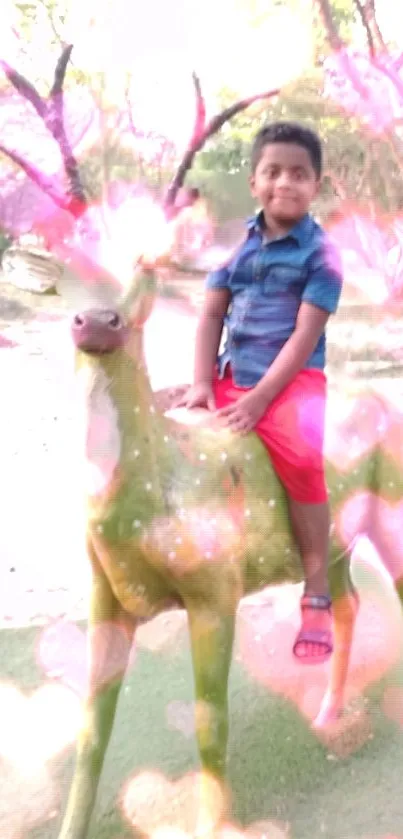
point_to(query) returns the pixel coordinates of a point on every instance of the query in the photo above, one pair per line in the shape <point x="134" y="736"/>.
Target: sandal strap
<point x="316" y="601"/>
<point x="315" y="636"/>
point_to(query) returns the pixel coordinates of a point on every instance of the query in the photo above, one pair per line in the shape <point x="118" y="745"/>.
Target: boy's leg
<point x="311" y="525"/>
<point x="293" y="432"/>
<point x="301" y="472"/>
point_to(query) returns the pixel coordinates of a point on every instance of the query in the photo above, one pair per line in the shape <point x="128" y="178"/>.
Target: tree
<point x="359" y="118"/>
<point x="51" y="111"/>
<point x="368" y="85"/>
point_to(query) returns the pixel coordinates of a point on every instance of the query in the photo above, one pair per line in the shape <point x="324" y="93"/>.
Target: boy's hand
<point x="245" y="413"/>
<point x="198" y="396"/>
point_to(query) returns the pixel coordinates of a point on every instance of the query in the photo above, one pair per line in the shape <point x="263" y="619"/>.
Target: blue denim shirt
<point x="267" y="281"/>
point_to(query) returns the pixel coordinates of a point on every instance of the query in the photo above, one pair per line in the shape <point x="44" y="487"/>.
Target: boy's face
<point x="284" y="182"/>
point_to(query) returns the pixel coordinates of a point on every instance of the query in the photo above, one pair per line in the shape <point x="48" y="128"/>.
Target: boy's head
<point x="286" y="168"/>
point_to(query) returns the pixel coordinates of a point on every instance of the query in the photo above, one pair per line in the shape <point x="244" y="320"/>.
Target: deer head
<point x="101" y="330"/>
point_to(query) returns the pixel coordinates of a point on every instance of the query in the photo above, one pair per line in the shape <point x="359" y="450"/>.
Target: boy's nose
<point x="98" y="331"/>
<point x="284" y="181"/>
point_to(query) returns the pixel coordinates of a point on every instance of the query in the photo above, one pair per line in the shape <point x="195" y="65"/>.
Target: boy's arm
<point x="210" y="326"/>
<point x="319" y="300"/>
<point x="293" y="356"/>
<point x="208" y="334"/>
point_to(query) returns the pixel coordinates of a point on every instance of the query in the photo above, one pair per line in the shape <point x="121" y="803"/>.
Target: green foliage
<point x="226" y="192"/>
<point x="358" y="166"/>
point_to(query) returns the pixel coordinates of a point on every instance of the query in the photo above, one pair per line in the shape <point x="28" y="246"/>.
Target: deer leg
<point x="345" y="609"/>
<point x="388" y="543"/>
<point x="110" y="635"/>
<point x="212" y="636"/>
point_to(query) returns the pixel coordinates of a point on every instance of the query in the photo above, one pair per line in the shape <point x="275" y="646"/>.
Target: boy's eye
<point x="274" y="172"/>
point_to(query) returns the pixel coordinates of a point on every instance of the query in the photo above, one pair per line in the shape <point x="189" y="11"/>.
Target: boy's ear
<point x="252" y="185"/>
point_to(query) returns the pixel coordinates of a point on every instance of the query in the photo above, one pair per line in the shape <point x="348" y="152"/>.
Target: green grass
<point x="278" y="769"/>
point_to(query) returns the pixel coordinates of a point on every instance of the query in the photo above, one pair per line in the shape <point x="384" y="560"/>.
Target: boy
<point x="276" y="295"/>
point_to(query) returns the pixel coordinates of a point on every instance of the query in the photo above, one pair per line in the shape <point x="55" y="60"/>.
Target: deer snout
<point x="98" y="331"/>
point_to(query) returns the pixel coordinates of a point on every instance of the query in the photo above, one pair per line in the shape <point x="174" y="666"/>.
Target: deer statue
<point x="184" y="514"/>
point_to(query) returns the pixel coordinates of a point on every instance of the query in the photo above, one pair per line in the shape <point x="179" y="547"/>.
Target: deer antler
<point x="51" y="113"/>
<point x="200" y="119"/>
<point x="202" y="132"/>
<point x="45" y="182"/>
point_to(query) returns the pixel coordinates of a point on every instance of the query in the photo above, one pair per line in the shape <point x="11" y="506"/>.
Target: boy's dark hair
<point x="288" y="132"/>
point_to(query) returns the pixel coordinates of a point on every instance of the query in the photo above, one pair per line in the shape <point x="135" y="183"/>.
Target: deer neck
<point x="122" y="430"/>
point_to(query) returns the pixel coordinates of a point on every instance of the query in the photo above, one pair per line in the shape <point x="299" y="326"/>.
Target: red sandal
<point x="319" y="637"/>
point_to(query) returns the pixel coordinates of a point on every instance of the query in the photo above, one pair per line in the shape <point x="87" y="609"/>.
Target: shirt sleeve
<point x="325" y="280"/>
<point x="218" y="278"/>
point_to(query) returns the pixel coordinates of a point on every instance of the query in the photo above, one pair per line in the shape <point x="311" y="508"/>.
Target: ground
<point x="282" y="775"/>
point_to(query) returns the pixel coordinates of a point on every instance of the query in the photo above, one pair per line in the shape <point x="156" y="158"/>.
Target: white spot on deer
<point x="136" y="524"/>
<point x="149" y="486"/>
<point x="102" y="433"/>
<point x="223" y="456"/>
<point x="204" y="539"/>
<point x="202" y="456"/>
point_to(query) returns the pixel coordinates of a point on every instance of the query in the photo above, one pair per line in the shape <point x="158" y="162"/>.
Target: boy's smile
<point x="285" y="183"/>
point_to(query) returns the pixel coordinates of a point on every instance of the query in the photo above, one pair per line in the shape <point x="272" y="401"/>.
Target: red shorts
<point x="292" y="430"/>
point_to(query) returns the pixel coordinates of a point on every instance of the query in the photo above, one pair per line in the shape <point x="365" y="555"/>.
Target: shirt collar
<point x="299" y="232"/>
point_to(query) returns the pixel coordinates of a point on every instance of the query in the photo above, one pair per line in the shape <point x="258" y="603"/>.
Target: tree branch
<point x="52" y="114"/>
<point x="326" y="16"/>
<point x="25" y="88"/>
<point x="60" y="71"/>
<point x="56" y="124"/>
<point x="364" y="174"/>
<point x="337" y="185"/>
<point x="361" y="9"/>
<point x="200" y="119"/>
<point x="43" y="181"/>
<point x="199" y="140"/>
<point x="370" y="14"/>
<point x="338" y="45"/>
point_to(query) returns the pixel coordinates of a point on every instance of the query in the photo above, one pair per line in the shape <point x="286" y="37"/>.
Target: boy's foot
<point x="314" y="643"/>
